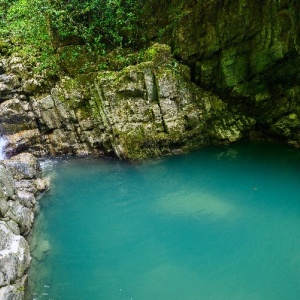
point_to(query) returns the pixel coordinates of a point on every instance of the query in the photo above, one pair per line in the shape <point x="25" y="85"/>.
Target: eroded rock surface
<point x="17" y="205"/>
<point x="153" y="108"/>
<point x="145" y="110"/>
<point x="246" y="52"/>
<point x="243" y="55"/>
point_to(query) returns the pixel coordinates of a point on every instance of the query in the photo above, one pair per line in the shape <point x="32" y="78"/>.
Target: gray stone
<point x="24" y="166"/>
<point x="7" y="185"/>
<point x="14" y="291"/>
<point x="14" y="256"/>
<point x="22" y="215"/>
<point x="16" y="116"/>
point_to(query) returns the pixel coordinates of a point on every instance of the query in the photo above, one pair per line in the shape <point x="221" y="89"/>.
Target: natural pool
<point x="218" y="223"/>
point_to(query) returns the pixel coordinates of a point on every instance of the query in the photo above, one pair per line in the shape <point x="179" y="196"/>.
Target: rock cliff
<point x="236" y="75"/>
<point x="246" y="52"/>
<point x="223" y="71"/>
<point x="20" y="183"/>
<point x="144" y="110"/>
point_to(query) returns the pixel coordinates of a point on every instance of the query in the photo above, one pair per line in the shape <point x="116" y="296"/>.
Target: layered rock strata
<point x="242" y="55"/>
<point x="20" y="184"/>
<point x="247" y="52"/>
<point x="145" y="110"/>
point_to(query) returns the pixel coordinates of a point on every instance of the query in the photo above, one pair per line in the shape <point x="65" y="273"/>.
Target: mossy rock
<point x="137" y="144"/>
<point x="286" y="125"/>
<point x="5" y="47"/>
<point x="160" y="54"/>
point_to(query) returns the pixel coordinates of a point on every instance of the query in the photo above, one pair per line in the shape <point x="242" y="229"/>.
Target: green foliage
<point x="40" y="27"/>
<point x="26" y="24"/>
<point x="96" y="22"/>
<point x="70" y="35"/>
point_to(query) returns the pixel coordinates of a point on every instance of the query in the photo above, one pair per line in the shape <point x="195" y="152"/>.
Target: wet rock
<point x="27" y="140"/>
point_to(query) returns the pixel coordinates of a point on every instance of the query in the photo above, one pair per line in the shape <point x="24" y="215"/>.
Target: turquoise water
<point x="218" y="223"/>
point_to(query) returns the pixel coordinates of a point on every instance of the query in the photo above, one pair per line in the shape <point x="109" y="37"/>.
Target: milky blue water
<point x="218" y="223"/>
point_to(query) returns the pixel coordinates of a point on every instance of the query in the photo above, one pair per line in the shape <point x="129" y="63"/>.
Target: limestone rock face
<point x="20" y="183"/>
<point x="246" y="52"/>
<point x="24" y="166"/>
<point x="21" y="215"/>
<point x="237" y="72"/>
<point x="7" y="189"/>
<point x="153" y="109"/>
<point x="145" y="110"/>
<point x="9" y="86"/>
<point x="26" y="140"/>
<point x="14" y="291"/>
<point x="14" y="255"/>
<point x="16" y="116"/>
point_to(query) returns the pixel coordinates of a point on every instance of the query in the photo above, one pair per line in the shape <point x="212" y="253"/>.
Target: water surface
<point x="218" y="223"/>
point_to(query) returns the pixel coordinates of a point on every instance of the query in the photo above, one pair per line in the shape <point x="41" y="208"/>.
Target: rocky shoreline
<point x="20" y="185"/>
<point x="232" y="73"/>
<point x="146" y="110"/>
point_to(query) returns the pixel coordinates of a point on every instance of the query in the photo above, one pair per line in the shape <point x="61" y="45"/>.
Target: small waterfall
<point x="2" y="147"/>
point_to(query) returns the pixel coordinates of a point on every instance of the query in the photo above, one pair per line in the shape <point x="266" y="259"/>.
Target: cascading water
<point x="2" y="147"/>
